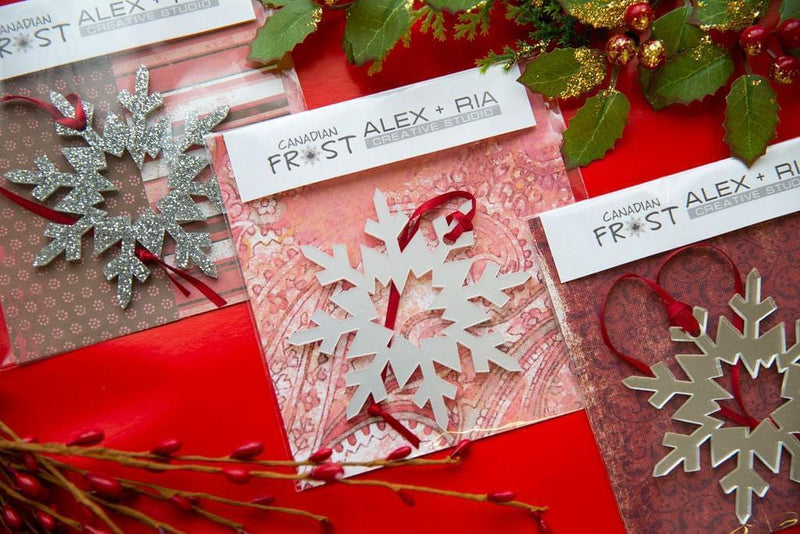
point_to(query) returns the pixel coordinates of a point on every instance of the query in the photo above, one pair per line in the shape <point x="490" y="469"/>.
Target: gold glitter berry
<point x="600" y="13"/>
<point x="620" y="49"/>
<point x="652" y="54"/>
<point x="781" y="75"/>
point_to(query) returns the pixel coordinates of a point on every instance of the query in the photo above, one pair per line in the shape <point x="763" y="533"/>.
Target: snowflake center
<point x="760" y="396"/>
<point x="415" y="321"/>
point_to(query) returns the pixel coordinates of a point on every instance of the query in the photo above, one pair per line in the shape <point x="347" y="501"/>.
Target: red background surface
<point x="203" y="379"/>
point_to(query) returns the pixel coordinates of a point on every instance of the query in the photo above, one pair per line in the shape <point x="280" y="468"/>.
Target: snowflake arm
<point x="66" y="238"/>
<point x="47" y="179"/>
<point x="336" y="267"/>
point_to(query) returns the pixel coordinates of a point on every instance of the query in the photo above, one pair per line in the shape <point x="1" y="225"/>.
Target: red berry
<point x="785" y="69"/>
<point x="399" y="453"/>
<point x="754" y="40"/>
<point x="105" y="486"/>
<point x="236" y="475"/>
<point x="87" y="439"/>
<point x="168" y="447"/>
<point x="461" y="449"/>
<point x="248" y="451"/>
<point x="639" y="17"/>
<point x="45" y="520"/>
<point x="327" y="472"/>
<point x="11" y="517"/>
<point x="30" y="461"/>
<point x="620" y="49"/>
<point x="29" y="485"/>
<point x="182" y="502"/>
<point x="543" y="527"/>
<point x="320" y="456"/>
<point x="652" y="54"/>
<point x="501" y="496"/>
<point x="788" y="33"/>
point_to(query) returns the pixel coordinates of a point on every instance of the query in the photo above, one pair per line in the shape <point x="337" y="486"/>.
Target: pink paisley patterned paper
<point x="513" y="176"/>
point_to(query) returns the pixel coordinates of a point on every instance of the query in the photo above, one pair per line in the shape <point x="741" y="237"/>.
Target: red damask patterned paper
<point x="629" y="431"/>
<point x="512" y="176"/>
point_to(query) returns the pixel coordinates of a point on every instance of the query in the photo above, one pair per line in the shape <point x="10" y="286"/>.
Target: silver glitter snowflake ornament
<point x="371" y="338"/>
<point x="140" y="138"/>
<point x="765" y="442"/>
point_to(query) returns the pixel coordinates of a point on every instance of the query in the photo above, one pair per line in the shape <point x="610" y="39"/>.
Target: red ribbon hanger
<point x="463" y="224"/>
<point x="680" y="315"/>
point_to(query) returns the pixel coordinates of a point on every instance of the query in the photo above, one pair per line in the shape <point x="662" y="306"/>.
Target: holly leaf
<point x="690" y="75"/>
<point x="454" y="6"/>
<point x="373" y="28"/>
<point x="790" y="9"/>
<point x="675" y="32"/>
<point x="595" y="128"/>
<point x="727" y="15"/>
<point x="286" y="28"/>
<point x="750" y="118"/>
<point x="565" y="72"/>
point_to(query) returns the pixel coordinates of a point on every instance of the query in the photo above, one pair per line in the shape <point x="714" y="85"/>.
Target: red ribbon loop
<point x="736" y="320"/>
<point x="78" y="122"/>
<point x="463" y="220"/>
<point x="680" y="315"/>
<point x="463" y="224"/>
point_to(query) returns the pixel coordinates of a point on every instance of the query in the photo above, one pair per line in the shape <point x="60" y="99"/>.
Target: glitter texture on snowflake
<point x="372" y="339"/>
<point x="86" y="185"/>
<point x="765" y="442"/>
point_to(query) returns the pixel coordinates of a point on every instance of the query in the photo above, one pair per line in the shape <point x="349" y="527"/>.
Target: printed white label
<point x="684" y="208"/>
<point x="312" y="146"/>
<point x="39" y="34"/>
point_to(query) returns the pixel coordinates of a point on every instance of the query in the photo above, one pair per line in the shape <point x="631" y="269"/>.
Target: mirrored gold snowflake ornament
<point x="140" y="138"/>
<point x="766" y="441"/>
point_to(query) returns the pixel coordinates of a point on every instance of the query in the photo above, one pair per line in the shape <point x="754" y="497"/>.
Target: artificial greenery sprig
<point x="576" y="48"/>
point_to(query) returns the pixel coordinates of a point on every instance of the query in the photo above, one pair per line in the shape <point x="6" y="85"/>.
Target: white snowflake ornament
<point x="767" y="440"/>
<point x="140" y="138"/>
<point x="395" y="352"/>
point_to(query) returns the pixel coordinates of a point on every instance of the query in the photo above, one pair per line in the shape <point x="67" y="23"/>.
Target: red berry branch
<point x="35" y="476"/>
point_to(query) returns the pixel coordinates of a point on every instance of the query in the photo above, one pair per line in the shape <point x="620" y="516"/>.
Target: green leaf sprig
<point x="565" y="57"/>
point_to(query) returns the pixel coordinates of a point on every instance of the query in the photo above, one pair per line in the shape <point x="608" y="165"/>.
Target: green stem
<point x="478" y="497"/>
<point x="614" y="75"/>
